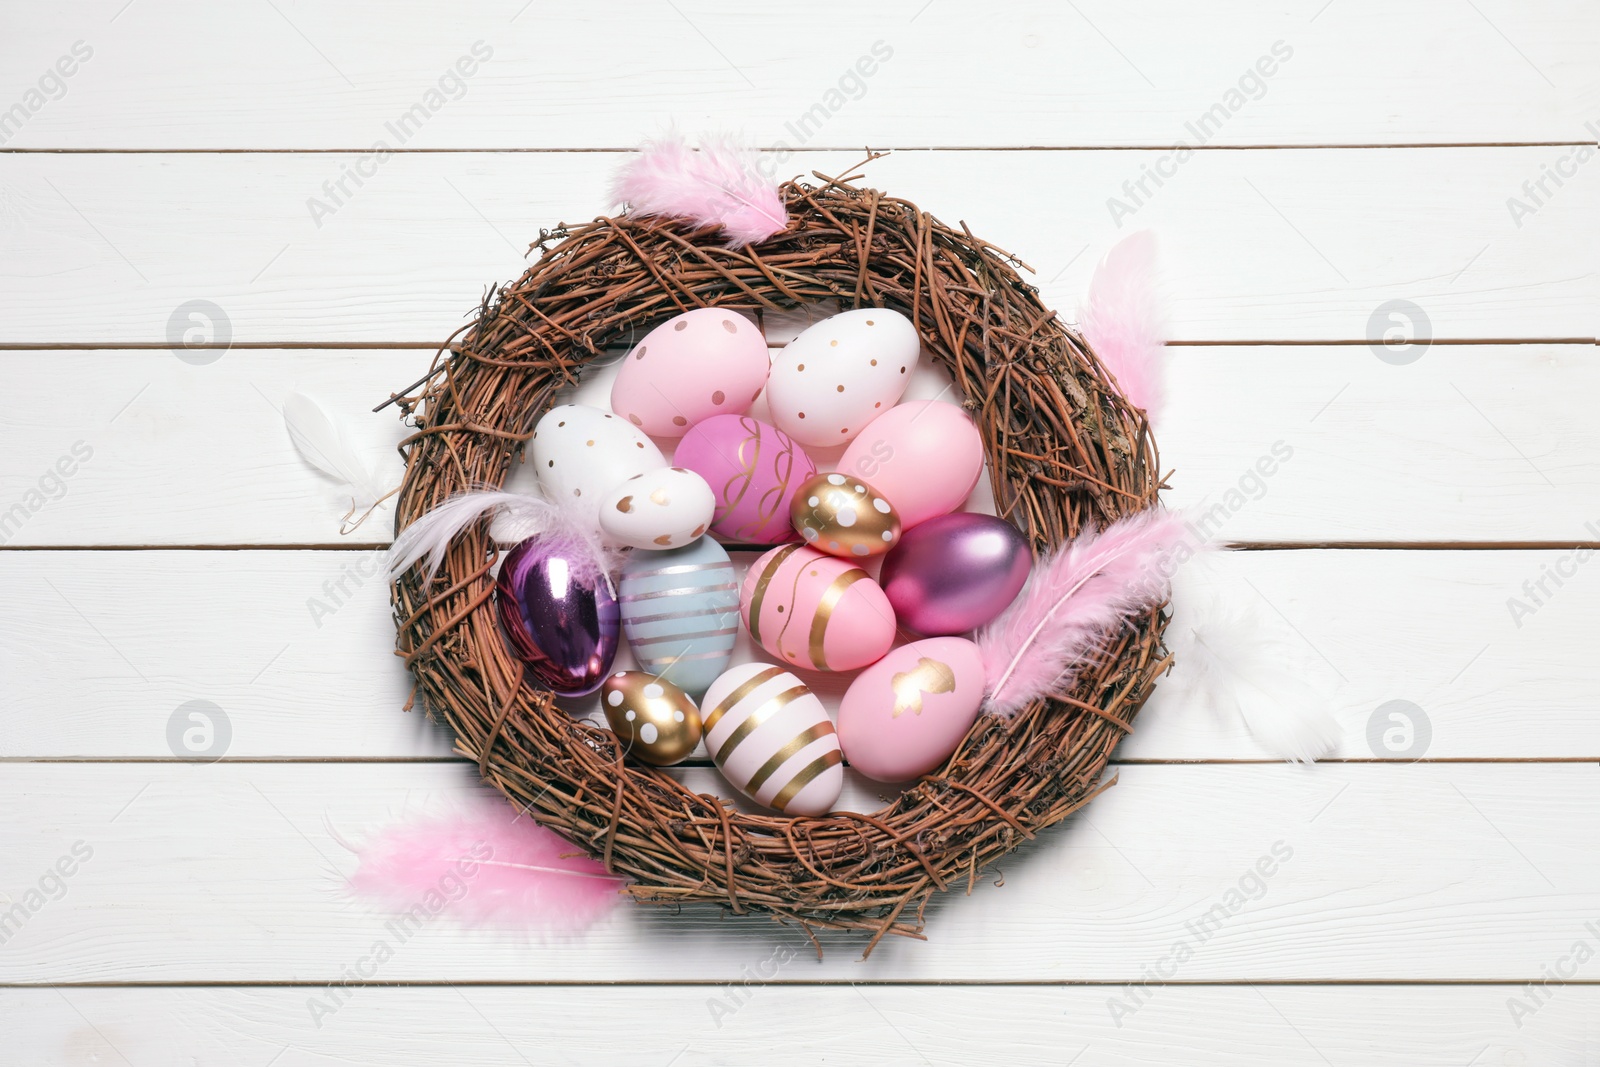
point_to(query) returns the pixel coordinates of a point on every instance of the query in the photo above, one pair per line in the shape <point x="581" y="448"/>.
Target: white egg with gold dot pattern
<point x="581" y="453"/>
<point x="665" y="508"/>
<point x="837" y="376"/>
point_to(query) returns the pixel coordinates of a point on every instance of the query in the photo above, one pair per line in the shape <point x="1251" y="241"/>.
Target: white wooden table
<point x="163" y="543"/>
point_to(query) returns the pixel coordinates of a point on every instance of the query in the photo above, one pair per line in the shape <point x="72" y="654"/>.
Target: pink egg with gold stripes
<point x="772" y="739"/>
<point x="816" y="611"/>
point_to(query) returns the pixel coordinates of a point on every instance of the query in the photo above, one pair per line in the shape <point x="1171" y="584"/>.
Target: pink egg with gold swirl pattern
<point x="815" y="611"/>
<point x="753" y="470"/>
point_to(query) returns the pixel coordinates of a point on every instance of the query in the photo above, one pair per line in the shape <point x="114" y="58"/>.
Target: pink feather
<point x="1075" y="600"/>
<point x="486" y="864"/>
<point x="720" y="185"/>
<point x="1124" y="319"/>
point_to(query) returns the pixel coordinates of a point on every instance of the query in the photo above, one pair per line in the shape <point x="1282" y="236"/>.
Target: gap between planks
<point x="817" y="149"/>
<point x="434" y="346"/>
<point x="1232" y="546"/>
<point x="711" y="983"/>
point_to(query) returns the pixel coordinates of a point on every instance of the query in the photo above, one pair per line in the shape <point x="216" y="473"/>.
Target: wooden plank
<point x="101" y="651"/>
<point x="1266" y="443"/>
<point x="206" y="443"/>
<point x="1090" y="73"/>
<point x="1281" y="245"/>
<point x="231" y="873"/>
<point x="774" y="1023"/>
<point x="1273" y="444"/>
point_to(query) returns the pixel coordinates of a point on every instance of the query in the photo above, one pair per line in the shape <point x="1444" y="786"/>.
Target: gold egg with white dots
<point x="656" y="721"/>
<point x="844" y="516"/>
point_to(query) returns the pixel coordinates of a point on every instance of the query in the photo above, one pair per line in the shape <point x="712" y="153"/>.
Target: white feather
<point x="1228" y="657"/>
<point x="325" y="444"/>
<point x="517" y="518"/>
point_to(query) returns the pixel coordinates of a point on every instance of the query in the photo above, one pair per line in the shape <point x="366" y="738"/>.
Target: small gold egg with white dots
<point x="844" y="516"/>
<point x="655" y="720"/>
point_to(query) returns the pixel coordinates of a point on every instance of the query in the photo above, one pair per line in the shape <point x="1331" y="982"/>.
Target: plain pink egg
<point x="905" y="714"/>
<point x="702" y="363"/>
<point x="924" y="456"/>
<point x="815" y="611"/>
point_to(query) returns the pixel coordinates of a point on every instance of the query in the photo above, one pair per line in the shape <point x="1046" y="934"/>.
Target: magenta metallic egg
<point x="953" y="573"/>
<point x="560" y="615"/>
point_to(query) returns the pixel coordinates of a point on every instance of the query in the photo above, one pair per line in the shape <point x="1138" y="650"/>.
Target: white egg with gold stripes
<point x="772" y="739"/>
<point x="680" y="610"/>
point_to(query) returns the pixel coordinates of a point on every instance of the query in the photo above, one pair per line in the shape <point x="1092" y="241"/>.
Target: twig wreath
<point x="1065" y="451"/>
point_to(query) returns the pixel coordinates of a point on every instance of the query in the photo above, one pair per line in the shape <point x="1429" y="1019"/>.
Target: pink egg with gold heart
<point x="702" y="363"/>
<point x="904" y="715"/>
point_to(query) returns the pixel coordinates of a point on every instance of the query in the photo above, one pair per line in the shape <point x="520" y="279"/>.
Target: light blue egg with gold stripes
<point x="680" y="610"/>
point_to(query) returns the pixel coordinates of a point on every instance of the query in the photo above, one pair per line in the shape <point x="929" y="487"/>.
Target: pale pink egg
<point x="702" y="363"/>
<point x="905" y="714"/>
<point x="924" y="456"/>
<point x="816" y="611"/>
<point x="753" y="470"/>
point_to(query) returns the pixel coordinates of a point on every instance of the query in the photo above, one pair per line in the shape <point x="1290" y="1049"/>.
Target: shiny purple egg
<point x="953" y="573"/>
<point x="560" y="616"/>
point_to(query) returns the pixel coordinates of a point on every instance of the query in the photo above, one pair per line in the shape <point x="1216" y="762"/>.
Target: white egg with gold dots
<point x="580" y="453"/>
<point x="840" y="374"/>
<point x="664" y="508"/>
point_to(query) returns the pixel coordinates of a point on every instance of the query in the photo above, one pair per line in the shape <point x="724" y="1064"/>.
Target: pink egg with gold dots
<point x="702" y="363"/>
<point x="816" y="611"/>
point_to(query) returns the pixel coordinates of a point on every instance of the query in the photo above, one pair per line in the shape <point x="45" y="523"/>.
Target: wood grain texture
<point x="1426" y="873"/>
<point x="1265" y="443"/>
<point x="565" y="75"/>
<point x="100" y="650"/>
<point x="1272" y="245"/>
<point x="229" y="872"/>
<point x="781" y="1024"/>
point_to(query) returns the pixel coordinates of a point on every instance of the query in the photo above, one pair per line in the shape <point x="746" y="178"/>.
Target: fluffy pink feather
<point x="486" y="864"/>
<point x="1075" y="599"/>
<point x="1124" y="319"/>
<point x="720" y="185"/>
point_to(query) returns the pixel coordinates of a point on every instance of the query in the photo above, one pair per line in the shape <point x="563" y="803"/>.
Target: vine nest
<point x="1064" y="449"/>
